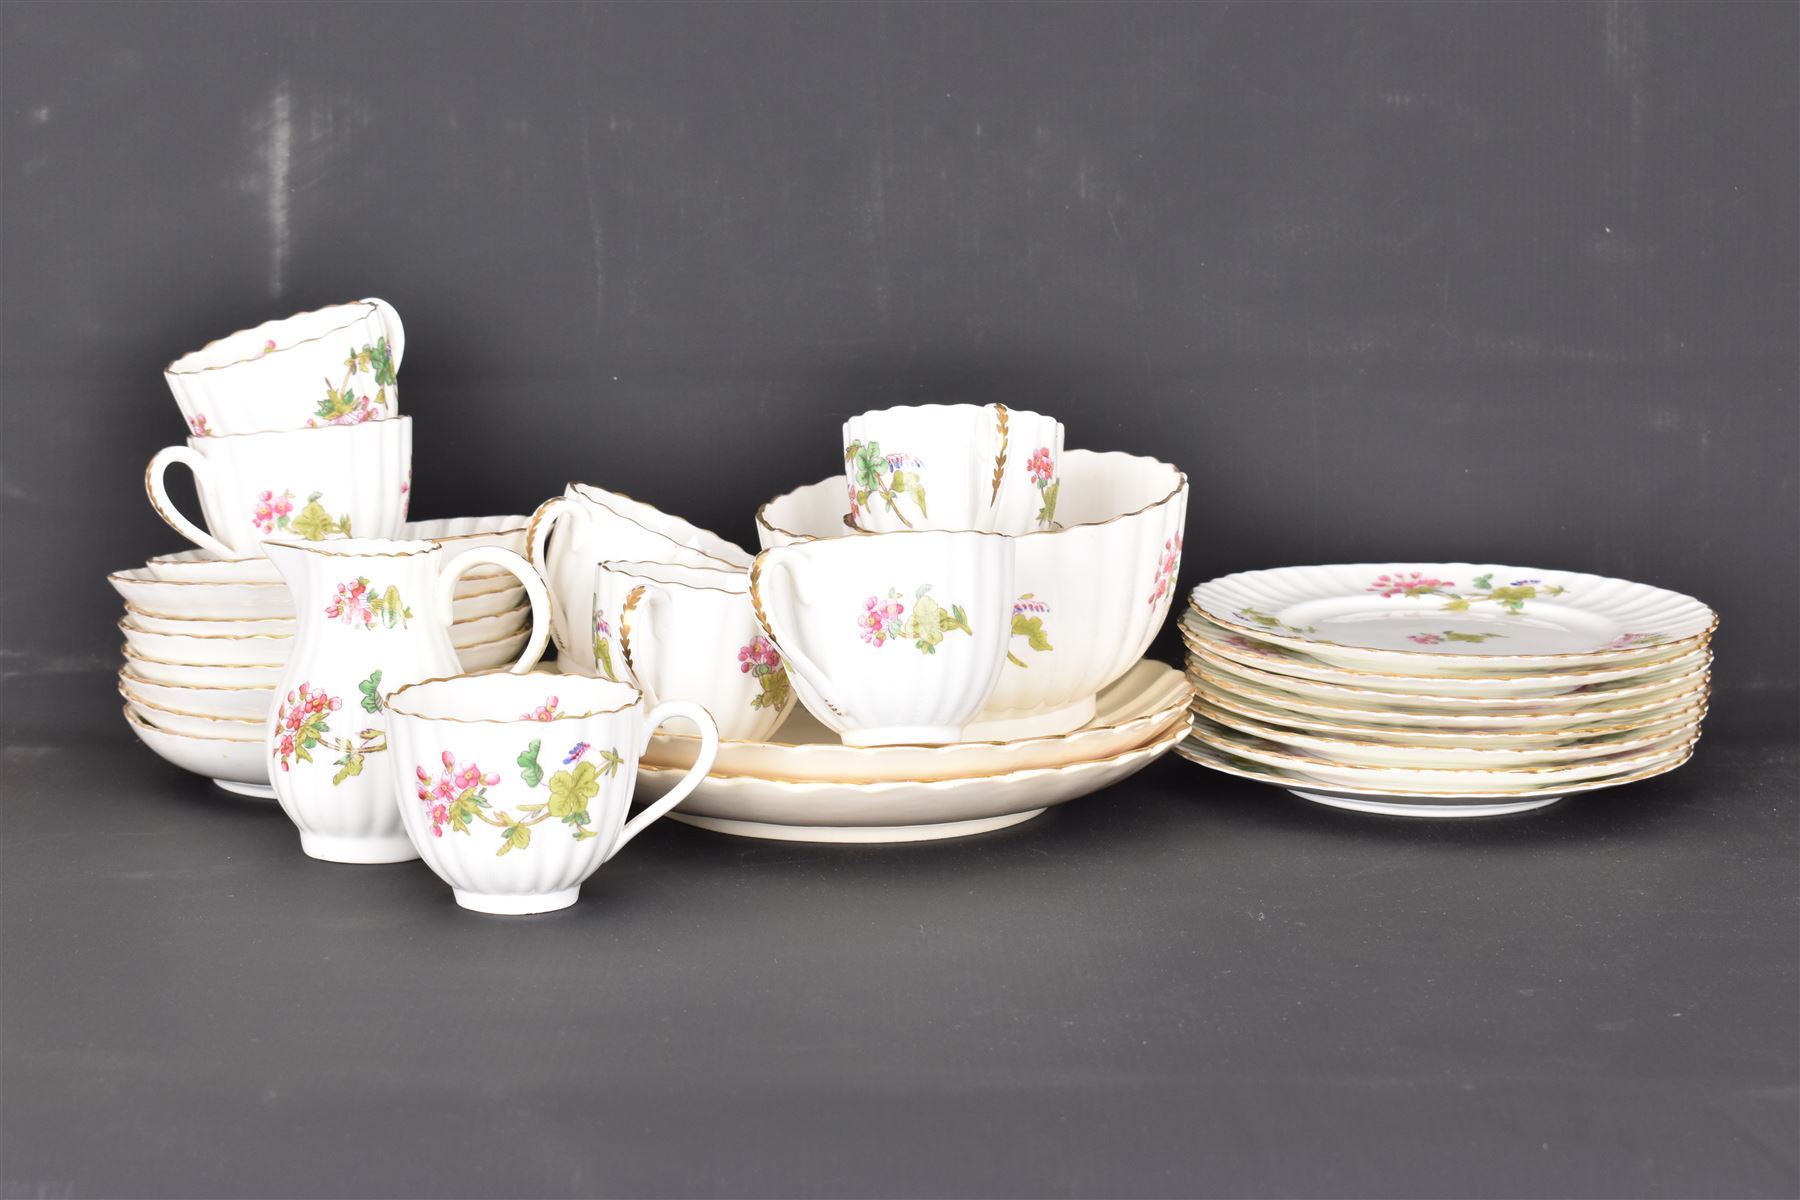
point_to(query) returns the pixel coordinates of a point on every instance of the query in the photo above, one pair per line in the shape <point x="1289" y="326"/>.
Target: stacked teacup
<point x="294" y="435"/>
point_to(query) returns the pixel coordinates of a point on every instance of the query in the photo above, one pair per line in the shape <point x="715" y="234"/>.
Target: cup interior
<point x="271" y="337"/>
<point x="712" y="579"/>
<point x="504" y="698"/>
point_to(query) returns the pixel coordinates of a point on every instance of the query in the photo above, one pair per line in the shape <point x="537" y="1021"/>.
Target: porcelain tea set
<point x="945" y="638"/>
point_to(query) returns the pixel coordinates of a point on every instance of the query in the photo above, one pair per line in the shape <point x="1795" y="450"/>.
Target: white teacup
<point x="689" y="633"/>
<point x="593" y="525"/>
<point x="304" y="483"/>
<point x="953" y="466"/>
<point x="332" y="366"/>
<point x="890" y="638"/>
<point x="514" y="788"/>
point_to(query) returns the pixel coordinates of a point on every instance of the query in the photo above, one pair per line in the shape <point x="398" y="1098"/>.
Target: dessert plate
<point x="1145" y="701"/>
<point x="1365" y="753"/>
<point x="893" y="812"/>
<point x="1402" y="735"/>
<point x="1451" y="781"/>
<point x="1408" y="804"/>
<point x="230" y="703"/>
<point x="1654" y="683"/>
<point x="1200" y="634"/>
<point x="1457" y="615"/>
<point x="1363" y="709"/>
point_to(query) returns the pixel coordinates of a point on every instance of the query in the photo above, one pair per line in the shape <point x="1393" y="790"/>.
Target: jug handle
<point x="165" y="508"/>
<point x="650" y="596"/>
<point x="390" y="324"/>
<point x="703" y="762"/>
<point x="506" y="560"/>
<point x="537" y="531"/>
<point x="799" y="574"/>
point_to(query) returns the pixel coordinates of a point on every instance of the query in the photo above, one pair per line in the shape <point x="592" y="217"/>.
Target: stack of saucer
<point x="206" y="639"/>
<point x="1443" y="689"/>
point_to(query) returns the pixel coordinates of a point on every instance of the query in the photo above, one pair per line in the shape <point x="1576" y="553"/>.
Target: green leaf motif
<point x="611" y="761"/>
<point x="371" y="692"/>
<point x="1483" y="582"/>
<point x="381" y="359"/>
<point x="515" y="836"/>
<point x="571" y="790"/>
<point x="349" y="765"/>
<point x="603" y="657"/>
<point x="529" y="770"/>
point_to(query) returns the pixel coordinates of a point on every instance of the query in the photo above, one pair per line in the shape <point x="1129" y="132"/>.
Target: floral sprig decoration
<point x="1041" y="469"/>
<point x="302" y="725"/>
<point x="761" y="659"/>
<point x="357" y="605"/>
<point x="883" y="619"/>
<point x="884" y="477"/>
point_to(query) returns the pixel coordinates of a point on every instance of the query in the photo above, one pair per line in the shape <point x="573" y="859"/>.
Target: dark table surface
<point x="1188" y="985"/>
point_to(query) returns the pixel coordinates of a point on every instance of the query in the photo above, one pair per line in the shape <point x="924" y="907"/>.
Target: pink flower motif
<point x="1410" y="583"/>
<point x="1040" y="466"/>
<point x="1425" y="639"/>
<point x="880" y="619"/>
<point x="268" y="347"/>
<point x="1166" y="570"/>
<point x="543" y="712"/>
<point x="198" y="425"/>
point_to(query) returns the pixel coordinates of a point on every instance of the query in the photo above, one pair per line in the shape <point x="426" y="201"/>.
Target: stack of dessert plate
<point x="1443" y="689"/>
<point x="206" y="640"/>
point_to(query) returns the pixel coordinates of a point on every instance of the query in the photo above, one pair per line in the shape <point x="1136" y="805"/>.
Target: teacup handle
<point x="506" y="560"/>
<point x="537" y="542"/>
<point x="649" y="596"/>
<point x="709" y="750"/>
<point x="799" y="575"/>
<point x="165" y="508"/>
<point x="390" y="323"/>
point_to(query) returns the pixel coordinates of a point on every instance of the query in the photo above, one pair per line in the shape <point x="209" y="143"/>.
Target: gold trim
<point x="533" y="674"/>
<point x="132" y="698"/>
<point x="493" y="641"/>
<point x="1001" y="417"/>
<point x="124" y="577"/>
<point x="145" y="723"/>
<point x="1213" y="659"/>
<point x="1643" y="664"/>
<point x="133" y="656"/>
<point x="1170" y="709"/>
<point x="756" y="603"/>
<point x="522" y="606"/>
<point x="1163" y="744"/>
<point x="1270" y="733"/>
<point x="659" y="533"/>
<point x="537" y="514"/>
<point x="372" y="310"/>
<point x="1288" y="721"/>
<point x="622" y="566"/>
<point x="1337" y="766"/>
<point x="1582" y="785"/>
<point x="1180" y="488"/>
<point x="128" y="630"/>
<point x="413" y="547"/>
<point x="126" y="675"/>
<point x="134" y="610"/>
<point x="346" y="430"/>
<point x="625" y="610"/>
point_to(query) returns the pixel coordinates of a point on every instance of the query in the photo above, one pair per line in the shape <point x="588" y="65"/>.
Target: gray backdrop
<point x="1439" y="281"/>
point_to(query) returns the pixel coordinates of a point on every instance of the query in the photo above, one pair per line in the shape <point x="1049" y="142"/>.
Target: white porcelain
<point x="1215" y="641"/>
<point x="1400" y="802"/>
<point x="592" y="525"/>
<point x="166" y="600"/>
<point x="1659" y="702"/>
<point x="490" y="655"/>
<point x="908" y="811"/>
<point x="892" y="637"/>
<point x="514" y="788"/>
<point x="1367" y="753"/>
<point x="689" y="633"/>
<point x="305" y="483"/>
<point x="273" y="627"/>
<point x="1456" y="781"/>
<point x="201" y="675"/>
<point x="231" y="729"/>
<point x="1287" y="719"/>
<point x="374" y="615"/>
<point x="486" y="629"/>
<point x="1463" y="617"/>
<point x="227" y="703"/>
<point x="1150" y="699"/>
<point x="235" y="764"/>
<point x="208" y="649"/>
<point x="457" y="533"/>
<point x="1095" y="591"/>
<point x="332" y="366"/>
<point x="1655" y="682"/>
<point x="952" y="466"/>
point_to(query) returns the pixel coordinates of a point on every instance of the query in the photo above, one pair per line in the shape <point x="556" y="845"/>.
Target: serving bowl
<point x="1091" y="594"/>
